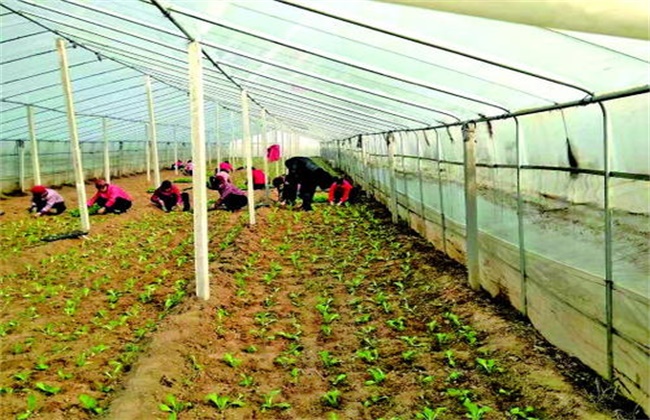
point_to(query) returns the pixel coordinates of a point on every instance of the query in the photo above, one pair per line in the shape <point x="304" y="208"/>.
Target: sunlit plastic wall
<point x="563" y="219"/>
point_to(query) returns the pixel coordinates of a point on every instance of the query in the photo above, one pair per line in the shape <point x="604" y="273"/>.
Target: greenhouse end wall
<point x="543" y="239"/>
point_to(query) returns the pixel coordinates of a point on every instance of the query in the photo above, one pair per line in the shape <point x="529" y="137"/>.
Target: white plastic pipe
<point x="248" y="149"/>
<point x="265" y="146"/>
<point x="217" y="135"/>
<point x="147" y="151"/>
<point x="74" y="136"/>
<point x="21" y="164"/>
<point x="198" y="178"/>
<point x="175" y="152"/>
<point x="471" y="213"/>
<point x="390" y="139"/>
<point x="36" y="166"/>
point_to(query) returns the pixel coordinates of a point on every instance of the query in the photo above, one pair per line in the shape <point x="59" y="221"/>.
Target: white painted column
<point x="471" y="213"/>
<point x="74" y="136"/>
<point x="390" y="141"/>
<point x="218" y="135"/>
<point x="21" y="163"/>
<point x="36" y="166"/>
<point x="198" y="178"/>
<point x="147" y="151"/>
<point x="248" y="150"/>
<point x="107" y="156"/>
<point x="175" y="152"/>
<point x="265" y="145"/>
<point x="153" y="135"/>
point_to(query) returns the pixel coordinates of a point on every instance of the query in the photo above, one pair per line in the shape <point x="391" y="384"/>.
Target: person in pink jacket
<point x="226" y="166"/>
<point x="230" y="197"/>
<point x="168" y="196"/>
<point x="259" y="179"/>
<point x="110" y="198"/>
<point x="339" y="192"/>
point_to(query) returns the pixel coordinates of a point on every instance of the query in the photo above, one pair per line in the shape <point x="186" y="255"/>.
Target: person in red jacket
<point x="110" y="198"/>
<point x="339" y="191"/>
<point x="168" y="196"/>
<point x="259" y="179"/>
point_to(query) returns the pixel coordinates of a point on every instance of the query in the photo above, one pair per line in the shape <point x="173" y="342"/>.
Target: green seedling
<point x="173" y="406"/>
<point x="363" y="319"/>
<point x="449" y="355"/>
<point x="453" y="319"/>
<point x="328" y="360"/>
<point x="32" y="406"/>
<point x="432" y="326"/>
<point x="251" y="349"/>
<point x="460" y="394"/>
<point x="398" y="324"/>
<point x="328" y="318"/>
<point x="527" y="413"/>
<point x="378" y="376"/>
<point x="488" y="365"/>
<point x="443" y="338"/>
<point x="268" y="403"/>
<point x="428" y="413"/>
<point x="332" y="398"/>
<point x="23" y="376"/>
<point x="454" y="376"/>
<point x="339" y="379"/>
<point x="468" y="334"/>
<point x="427" y="379"/>
<point x="374" y="400"/>
<point x="246" y="380"/>
<point x="231" y="360"/>
<point x="474" y="412"/>
<point x="326" y="330"/>
<point x="368" y="355"/>
<point x="223" y="401"/>
<point x="47" y="389"/>
<point x="90" y="404"/>
<point x="409" y="355"/>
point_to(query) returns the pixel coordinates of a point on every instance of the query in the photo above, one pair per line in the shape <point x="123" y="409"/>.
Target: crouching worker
<point x="168" y="196"/>
<point x="110" y="198"/>
<point x="46" y="202"/>
<point x="305" y="173"/>
<point x="230" y="197"/>
<point x="339" y="192"/>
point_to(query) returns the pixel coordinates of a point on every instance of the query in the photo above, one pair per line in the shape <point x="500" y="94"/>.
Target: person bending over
<point x="259" y="179"/>
<point x="168" y="196"/>
<point x="110" y="198"/>
<point x="339" y="192"/>
<point x="46" y="202"/>
<point x="230" y="197"/>
<point x="304" y="172"/>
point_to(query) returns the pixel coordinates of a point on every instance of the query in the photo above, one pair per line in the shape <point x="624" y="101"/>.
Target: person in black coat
<point x="305" y="173"/>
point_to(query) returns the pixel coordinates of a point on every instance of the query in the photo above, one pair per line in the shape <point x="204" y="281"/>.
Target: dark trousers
<point x="235" y="202"/>
<point x="120" y="206"/>
<point x="170" y="202"/>
<point x="59" y="207"/>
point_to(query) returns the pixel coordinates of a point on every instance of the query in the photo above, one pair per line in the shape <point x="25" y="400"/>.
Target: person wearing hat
<point x="46" y="201"/>
<point x="110" y="198"/>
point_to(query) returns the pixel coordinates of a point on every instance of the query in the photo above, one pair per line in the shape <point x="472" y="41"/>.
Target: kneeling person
<point x="110" y="198"/>
<point x="167" y="196"/>
<point x="230" y="197"/>
<point x="46" y="201"/>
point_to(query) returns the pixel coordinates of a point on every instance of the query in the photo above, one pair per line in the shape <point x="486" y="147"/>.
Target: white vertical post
<point x="471" y="214"/>
<point x="265" y="144"/>
<point x="198" y="178"/>
<point x="218" y="136"/>
<point x="36" y="166"/>
<point x="232" y="139"/>
<point x="147" y="151"/>
<point x="248" y="149"/>
<point x="277" y="162"/>
<point x="107" y="157"/>
<point x="390" y="141"/>
<point x="153" y="139"/>
<point x="175" y="151"/>
<point x="21" y="163"/>
<point x="74" y="136"/>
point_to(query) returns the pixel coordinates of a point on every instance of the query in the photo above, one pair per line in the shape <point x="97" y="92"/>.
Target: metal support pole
<point x="392" y="193"/>
<point x="198" y="178"/>
<point x="74" y="136"/>
<point x="107" y="156"/>
<point x="248" y="149"/>
<point x="471" y="215"/>
<point x="21" y="163"/>
<point x="147" y="151"/>
<point x="36" y="166"/>
<point x="153" y="135"/>
<point x="265" y="142"/>
<point x="609" y="276"/>
<point x="520" y="222"/>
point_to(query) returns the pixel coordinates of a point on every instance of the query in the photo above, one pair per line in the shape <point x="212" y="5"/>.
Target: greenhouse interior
<point x="491" y="262"/>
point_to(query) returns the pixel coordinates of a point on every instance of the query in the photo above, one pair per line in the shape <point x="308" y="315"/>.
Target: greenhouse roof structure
<point x="327" y="70"/>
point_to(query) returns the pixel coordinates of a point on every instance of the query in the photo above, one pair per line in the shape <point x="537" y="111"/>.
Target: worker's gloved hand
<point x="101" y="210"/>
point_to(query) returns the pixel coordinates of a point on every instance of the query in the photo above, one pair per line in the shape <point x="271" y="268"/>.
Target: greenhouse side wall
<point x="543" y="236"/>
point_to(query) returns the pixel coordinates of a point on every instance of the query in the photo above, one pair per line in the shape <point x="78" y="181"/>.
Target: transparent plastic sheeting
<point x="550" y="260"/>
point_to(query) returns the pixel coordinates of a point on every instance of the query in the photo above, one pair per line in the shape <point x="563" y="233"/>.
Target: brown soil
<point x="113" y="316"/>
